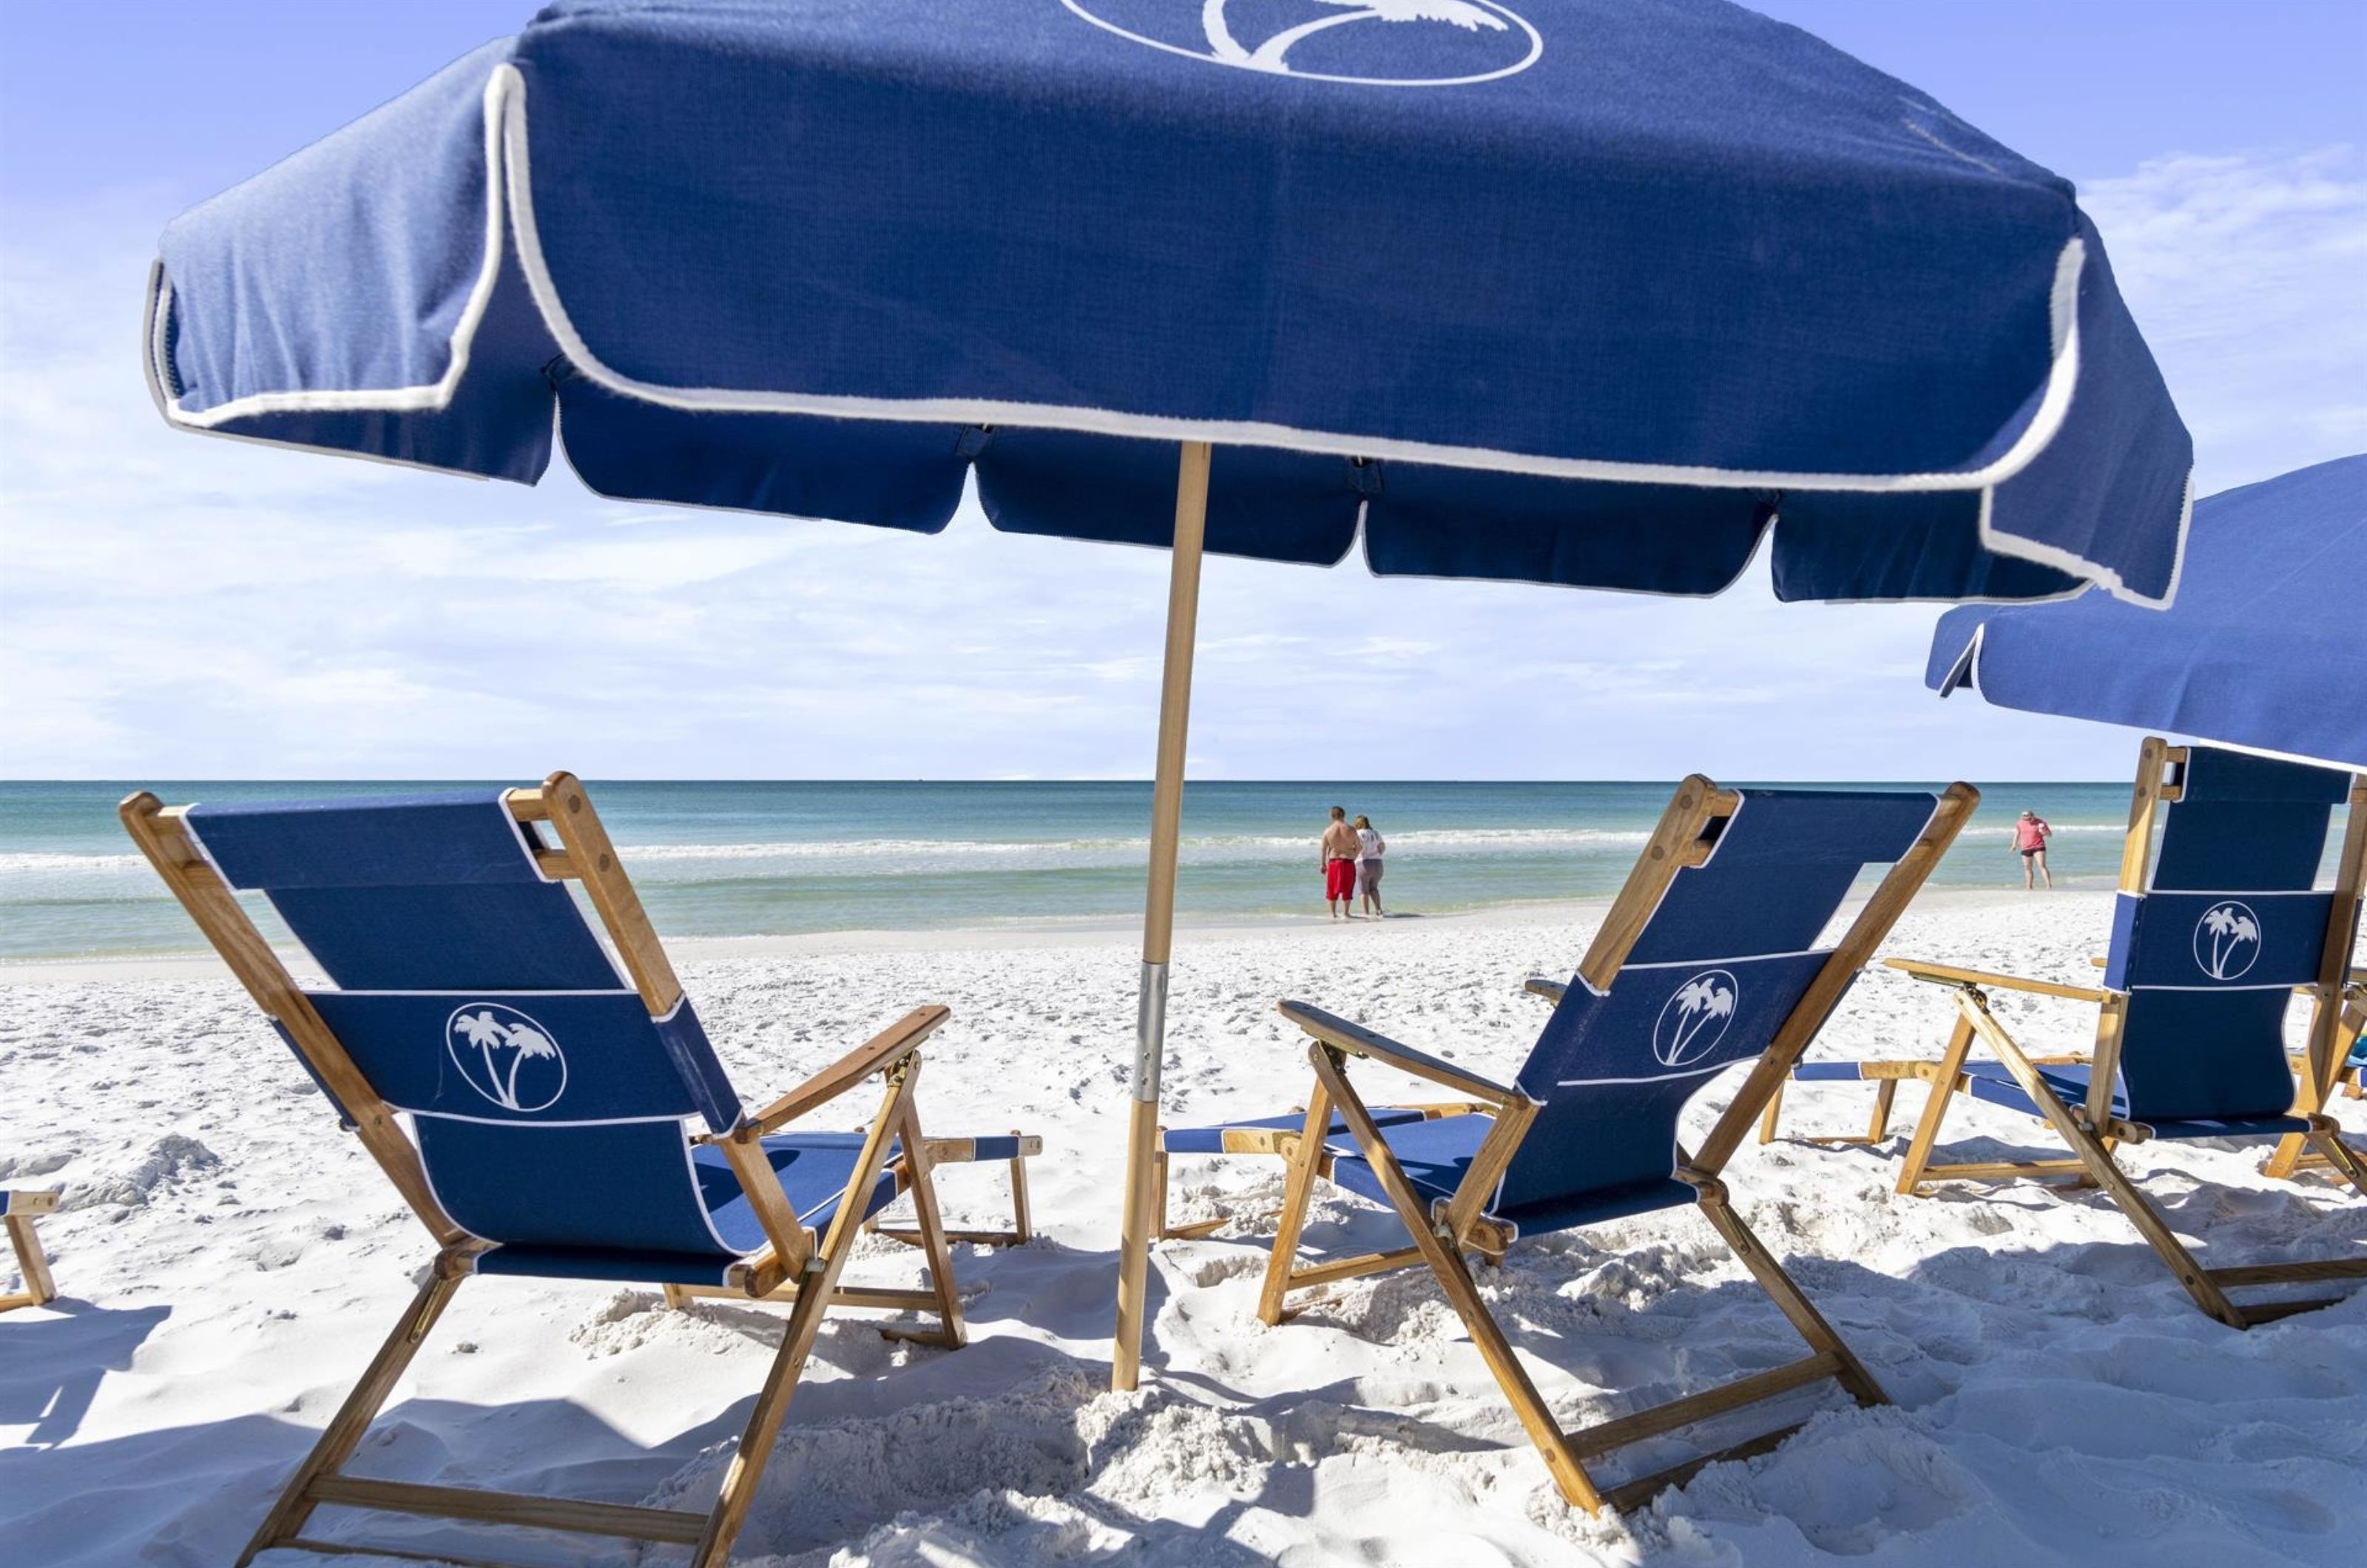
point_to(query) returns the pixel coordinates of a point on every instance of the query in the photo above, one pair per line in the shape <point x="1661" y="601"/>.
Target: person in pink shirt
<point x="2030" y="835"/>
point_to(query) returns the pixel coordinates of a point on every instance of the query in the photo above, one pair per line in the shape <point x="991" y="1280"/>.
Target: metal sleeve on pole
<point x="1149" y="1032"/>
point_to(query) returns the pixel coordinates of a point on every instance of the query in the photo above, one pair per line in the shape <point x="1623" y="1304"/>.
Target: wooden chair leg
<point x="1159" y="1174"/>
<point x="32" y="1262"/>
<point x="1878" y="1128"/>
<point x="1306" y="1160"/>
<point x="1191" y="1230"/>
<point x="2341" y="1154"/>
<point x="1935" y="1108"/>
<point x="930" y="1223"/>
<point x="1785" y="1292"/>
<point x="344" y="1433"/>
<point x="1453" y="1277"/>
<point x="2287" y="1157"/>
<point x="2099" y="1164"/>
<point x="1022" y="1224"/>
<point x="820" y="1279"/>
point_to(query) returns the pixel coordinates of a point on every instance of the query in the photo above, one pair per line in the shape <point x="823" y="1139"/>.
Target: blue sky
<point x="175" y="607"/>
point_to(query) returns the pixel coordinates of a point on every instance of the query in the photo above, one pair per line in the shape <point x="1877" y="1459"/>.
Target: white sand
<point x="230" y="1260"/>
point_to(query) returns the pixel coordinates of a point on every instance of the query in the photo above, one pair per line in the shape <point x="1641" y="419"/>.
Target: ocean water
<point x="745" y="859"/>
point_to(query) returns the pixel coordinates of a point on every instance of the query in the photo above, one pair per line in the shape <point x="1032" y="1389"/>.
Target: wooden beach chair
<point x="1707" y="960"/>
<point x="543" y="1115"/>
<point x="18" y="1211"/>
<point x="2217" y="925"/>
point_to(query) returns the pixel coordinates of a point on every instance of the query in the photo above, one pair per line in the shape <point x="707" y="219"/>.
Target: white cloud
<point x="177" y="606"/>
<point x="2248" y="275"/>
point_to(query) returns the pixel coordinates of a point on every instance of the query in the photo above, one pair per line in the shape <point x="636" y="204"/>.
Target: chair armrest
<point x="880" y="1051"/>
<point x="1358" y="1040"/>
<point x="1949" y="974"/>
<point x="1552" y="991"/>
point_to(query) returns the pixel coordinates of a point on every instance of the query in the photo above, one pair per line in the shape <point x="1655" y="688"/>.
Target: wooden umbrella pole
<point x="1159" y="914"/>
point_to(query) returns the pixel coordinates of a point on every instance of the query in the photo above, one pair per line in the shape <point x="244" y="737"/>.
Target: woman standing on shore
<point x="1370" y="847"/>
<point x="2031" y="832"/>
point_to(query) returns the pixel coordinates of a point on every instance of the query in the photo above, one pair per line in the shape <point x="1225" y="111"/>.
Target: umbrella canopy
<point x="1579" y="291"/>
<point x="2264" y="649"/>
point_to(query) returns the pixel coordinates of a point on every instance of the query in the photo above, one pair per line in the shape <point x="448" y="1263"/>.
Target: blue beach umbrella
<point x="2266" y="647"/>
<point x="1606" y="293"/>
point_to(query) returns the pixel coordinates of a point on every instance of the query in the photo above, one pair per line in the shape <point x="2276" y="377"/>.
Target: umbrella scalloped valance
<point x="1570" y="291"/>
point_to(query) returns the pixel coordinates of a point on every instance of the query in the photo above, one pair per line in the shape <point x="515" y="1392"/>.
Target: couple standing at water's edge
<point x="1350" y="858"/>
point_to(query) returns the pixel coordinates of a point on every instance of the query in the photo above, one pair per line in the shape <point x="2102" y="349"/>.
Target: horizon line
<point x="1144" y="780"/>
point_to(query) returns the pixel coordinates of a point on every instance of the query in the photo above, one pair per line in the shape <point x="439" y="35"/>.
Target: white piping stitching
<point x="604" y="991"/>
<point x="1658" y="1078"/>
<point x="539" y="1124"/>
<point x="1733" y="958"/>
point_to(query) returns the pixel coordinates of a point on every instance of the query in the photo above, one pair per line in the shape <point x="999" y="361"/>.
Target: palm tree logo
<point x="1694" y="1018"/>
<point x="2227" y="940"/>
<point x="506" y="1056"/>
<point x="1507" y="43"/>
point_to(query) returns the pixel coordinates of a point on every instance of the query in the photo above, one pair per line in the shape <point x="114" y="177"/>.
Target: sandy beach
<point x="228" y="1260"/>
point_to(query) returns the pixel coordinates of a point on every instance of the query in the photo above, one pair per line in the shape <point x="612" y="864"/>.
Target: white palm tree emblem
<point x="488" y="1035"/>
<point x="2227" y="939"/>
<point x="1269" y="55"/>
<point x="1694" y="1019"/>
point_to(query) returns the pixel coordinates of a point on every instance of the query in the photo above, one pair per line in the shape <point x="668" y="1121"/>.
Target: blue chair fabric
<point x="552" y="1112"/>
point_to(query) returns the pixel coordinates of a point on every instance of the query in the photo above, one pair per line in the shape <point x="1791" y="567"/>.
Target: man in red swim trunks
<point x="1339" y="859"/>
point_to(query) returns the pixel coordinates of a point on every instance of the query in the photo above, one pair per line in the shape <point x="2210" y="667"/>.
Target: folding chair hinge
<point x="1709" y="1190"/>
<point x="899" y="1070"/>
<point x="459" y="1260"/>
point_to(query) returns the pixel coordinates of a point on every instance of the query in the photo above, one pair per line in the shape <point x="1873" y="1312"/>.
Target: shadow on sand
<point x="1014" y="1442"/>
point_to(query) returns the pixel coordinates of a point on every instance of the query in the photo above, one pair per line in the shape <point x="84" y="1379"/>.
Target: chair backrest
<point x="547" y="1105"/>
<point x="2212" y="932"/>
<point x="1724" y="957"/>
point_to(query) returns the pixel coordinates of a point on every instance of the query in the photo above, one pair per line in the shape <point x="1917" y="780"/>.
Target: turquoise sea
<point x="739" y="858"/>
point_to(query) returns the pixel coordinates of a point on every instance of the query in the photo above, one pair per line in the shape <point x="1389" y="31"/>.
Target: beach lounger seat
<point x="2215" y="929"/>
<point x="543" y="1112"/>
<point x="1270" y="1136"/>
<point x="18" y="1211"/>
<point x="1707" y="960"/>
